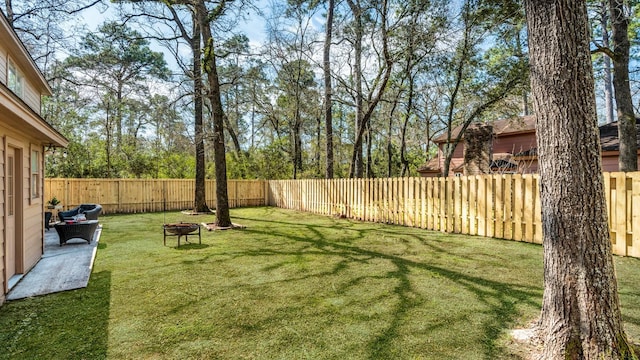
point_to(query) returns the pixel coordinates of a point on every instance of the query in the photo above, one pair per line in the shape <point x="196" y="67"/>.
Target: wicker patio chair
<point x="90" y="211"/>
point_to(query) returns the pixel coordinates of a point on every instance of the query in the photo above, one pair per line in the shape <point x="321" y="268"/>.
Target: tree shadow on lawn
<point x="68" y="325"/>
<point x="191" y="246"/>
<point x="501" y="299"/>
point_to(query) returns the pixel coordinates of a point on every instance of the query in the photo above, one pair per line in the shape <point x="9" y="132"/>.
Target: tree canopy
<point x="392" y="76"/>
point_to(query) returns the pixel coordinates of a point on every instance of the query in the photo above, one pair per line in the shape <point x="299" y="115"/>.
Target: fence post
<point x="635" y="217"/>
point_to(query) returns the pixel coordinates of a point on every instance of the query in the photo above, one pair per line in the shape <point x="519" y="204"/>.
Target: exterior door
<point x="13" y="242"/>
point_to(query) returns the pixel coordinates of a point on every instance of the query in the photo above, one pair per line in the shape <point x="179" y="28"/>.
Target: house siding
<point x="610" y="161"/>
<point x="456" y="160"/>
<point x="33" y="212"/>
<point x="32" y="98"/>
<point x="514" y="144"/>
<point x="31" y="94"/>
<point x="22" y="128"/>
<point x="2" y="237"/>
<point x="3" y="65"/>
<point x="31" y="225"/>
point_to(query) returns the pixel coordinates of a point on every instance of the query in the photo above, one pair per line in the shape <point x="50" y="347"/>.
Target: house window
<point x="10" y="186"/>
<point x="35" y="174"/>
<point x="15" y="80"/>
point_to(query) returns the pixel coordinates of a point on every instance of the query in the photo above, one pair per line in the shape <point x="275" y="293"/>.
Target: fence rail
<point x="500" y="206"/>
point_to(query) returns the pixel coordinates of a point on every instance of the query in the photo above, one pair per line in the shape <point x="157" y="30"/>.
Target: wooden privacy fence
<point x="500" y="206"/>
<point x="141" y="195"/>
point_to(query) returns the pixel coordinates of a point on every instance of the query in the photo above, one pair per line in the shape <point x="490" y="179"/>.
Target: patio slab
<point x="61" y="268"/>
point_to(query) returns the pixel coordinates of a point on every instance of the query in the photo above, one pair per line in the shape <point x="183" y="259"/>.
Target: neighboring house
<point x="609" y="145"/>
<point x="492" y="145"/>
<point x="24" y="138"/>
<point x="509" y="148"/>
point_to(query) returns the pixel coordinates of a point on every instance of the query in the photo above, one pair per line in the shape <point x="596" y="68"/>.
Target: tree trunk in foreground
<point x="580" y="316"/>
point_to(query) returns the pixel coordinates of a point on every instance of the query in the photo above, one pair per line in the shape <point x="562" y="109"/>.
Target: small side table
<point x="81" y="230"/>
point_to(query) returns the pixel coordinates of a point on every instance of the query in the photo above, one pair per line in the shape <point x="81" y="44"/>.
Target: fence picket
<point x="620" y="223"/>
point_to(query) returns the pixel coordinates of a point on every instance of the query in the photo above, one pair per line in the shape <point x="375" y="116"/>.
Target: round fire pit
<point x="181" y="229"/>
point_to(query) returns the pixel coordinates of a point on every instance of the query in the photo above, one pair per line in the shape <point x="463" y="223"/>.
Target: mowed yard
<point x="292" y="286"/>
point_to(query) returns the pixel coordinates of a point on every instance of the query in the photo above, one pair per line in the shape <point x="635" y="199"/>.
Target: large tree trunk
<point x="223" y="218"/>
<point x="200" y="201"/>
<point x="628" y="159"/>
<point x="580" y="316"/>
<point x="199" y="198"/>
<point x="328" y="111"/>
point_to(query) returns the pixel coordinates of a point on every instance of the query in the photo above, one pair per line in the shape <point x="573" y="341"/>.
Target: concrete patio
<point x="61" y="268"/>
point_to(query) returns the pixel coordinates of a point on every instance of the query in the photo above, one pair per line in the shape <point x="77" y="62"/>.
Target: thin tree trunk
<point x="234" y="136"/>
<point x="449" y="147"/>
<point x="369" y="174"/>
<point x="628" y="158"/>
<point x="357" y="161"/>
<point x="328" y="102"/>
<point x="608" y="84"/>
<point x="223" y="218"/>
<point x="318" y="146"/>
<point x="390" y="133"/>
<point x="407" y="115"/>
<point x="297" y="145"/>
<point x="525" y="93"/>
<point x="119" y="117"/>
<point x="9" y="9"/>
<point x="580" y="316"/>
<point x="356" y="168"/>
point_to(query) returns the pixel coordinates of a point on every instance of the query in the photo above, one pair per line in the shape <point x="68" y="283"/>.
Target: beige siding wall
<point x="31" y="97"/>
<point x="31" y="225"/>
<point x="3" y="64"/>
<point x="2" y="237"/>
<point x="33" y="228"/>
<point x="32" y="221"/>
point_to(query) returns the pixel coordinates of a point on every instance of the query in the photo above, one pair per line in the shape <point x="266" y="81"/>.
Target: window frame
<point x="15" y="78"/>
<point x="35" y="174"/>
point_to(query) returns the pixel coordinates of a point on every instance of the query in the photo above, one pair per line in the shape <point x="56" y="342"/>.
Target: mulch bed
<point x="213" y="226"/>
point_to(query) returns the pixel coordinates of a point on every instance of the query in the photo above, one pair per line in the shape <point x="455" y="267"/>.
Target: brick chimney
<point x="478" y="148"/>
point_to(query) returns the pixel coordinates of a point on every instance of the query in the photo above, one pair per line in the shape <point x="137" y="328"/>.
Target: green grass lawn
<point x="292" y="286"/>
